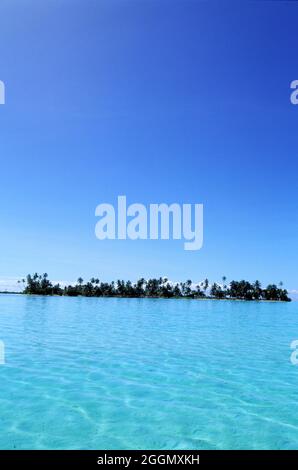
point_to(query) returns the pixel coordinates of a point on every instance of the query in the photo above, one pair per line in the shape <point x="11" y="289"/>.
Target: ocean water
<point x="147" y="374"/>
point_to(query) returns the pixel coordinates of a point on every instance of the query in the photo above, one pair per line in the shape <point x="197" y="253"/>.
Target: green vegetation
<point x="156" y="288"/>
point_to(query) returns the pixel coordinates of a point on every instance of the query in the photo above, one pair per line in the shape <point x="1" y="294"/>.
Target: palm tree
<point x="257" y="289"/>
<point x="80" y="281"/>
<point x="187" y="291"/>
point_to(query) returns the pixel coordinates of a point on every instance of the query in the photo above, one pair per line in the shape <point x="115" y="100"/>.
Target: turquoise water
<point x="147" y="374"/>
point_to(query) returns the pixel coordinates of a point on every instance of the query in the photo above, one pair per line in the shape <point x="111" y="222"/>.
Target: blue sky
<point x="163" y="101"/>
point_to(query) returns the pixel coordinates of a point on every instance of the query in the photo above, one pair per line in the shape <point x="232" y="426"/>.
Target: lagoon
<point x="115" y="373"/>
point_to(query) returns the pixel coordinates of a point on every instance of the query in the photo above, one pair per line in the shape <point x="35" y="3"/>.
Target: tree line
<point x="156" y="288"/>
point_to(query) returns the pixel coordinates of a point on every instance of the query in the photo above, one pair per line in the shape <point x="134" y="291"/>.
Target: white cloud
<point x="10" y="284"/>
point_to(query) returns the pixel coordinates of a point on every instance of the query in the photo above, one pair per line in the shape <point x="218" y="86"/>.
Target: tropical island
<point x="37" y="284"/>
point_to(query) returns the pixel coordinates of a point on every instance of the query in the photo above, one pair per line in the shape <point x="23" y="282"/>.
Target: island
<point x="36" y="284"/>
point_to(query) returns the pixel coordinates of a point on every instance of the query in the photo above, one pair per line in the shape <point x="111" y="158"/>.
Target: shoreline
<point x="147" y="298"/>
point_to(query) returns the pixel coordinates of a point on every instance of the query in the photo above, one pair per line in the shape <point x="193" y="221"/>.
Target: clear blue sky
<point x="163" y="101"/>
